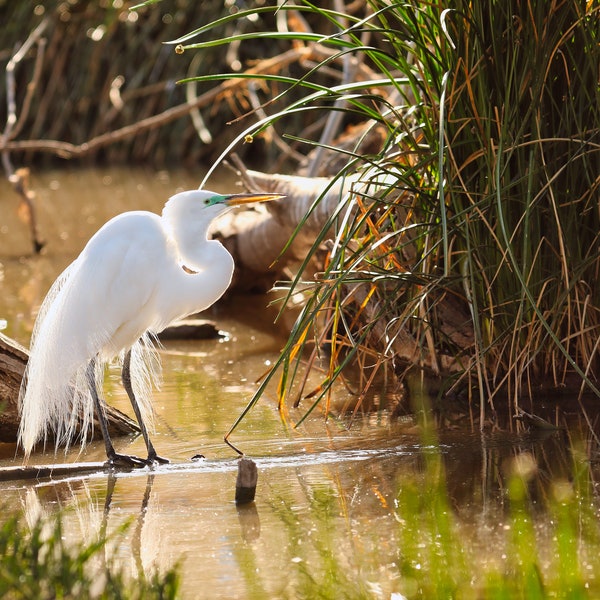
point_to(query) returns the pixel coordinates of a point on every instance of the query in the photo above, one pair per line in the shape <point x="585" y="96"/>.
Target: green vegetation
<point x="522" y="136"/>
<point x="395" y="526"/>
<point x="471" y="255"/>
<point x="535" y="540"/>
<point x="475" y="256"/>
<point x="528" y="561"/>
<point x="468" y="250"/>
<point x="38" y="563"/>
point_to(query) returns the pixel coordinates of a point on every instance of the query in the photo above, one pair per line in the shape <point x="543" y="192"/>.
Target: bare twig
<point x="26" y="209"/>
<point x="191" y="96"/>
<point x="31" y="88"/>
<point x="12" y="125"/>
<point x="274" y="136"/>
<point x="242" y="173"/>
<point x="68" y="150"/>
<point x="334" y="121"/>
<point x="20" y="177"/>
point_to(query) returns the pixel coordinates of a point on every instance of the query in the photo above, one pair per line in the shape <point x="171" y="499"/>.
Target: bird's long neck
<point x="204" y="272"/>
<point x="193" y="246"/>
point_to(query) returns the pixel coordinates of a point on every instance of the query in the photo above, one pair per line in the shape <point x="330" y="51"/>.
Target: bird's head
<point x="202" y="206"/>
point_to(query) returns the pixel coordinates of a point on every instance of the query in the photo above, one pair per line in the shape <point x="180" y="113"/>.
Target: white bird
<point x="136" y="275"/>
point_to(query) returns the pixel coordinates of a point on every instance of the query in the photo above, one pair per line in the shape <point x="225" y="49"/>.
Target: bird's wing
<point x="121" y="274"/>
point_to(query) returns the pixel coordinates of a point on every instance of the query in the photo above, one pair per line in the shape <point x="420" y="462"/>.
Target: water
<point x="325" y="521"/>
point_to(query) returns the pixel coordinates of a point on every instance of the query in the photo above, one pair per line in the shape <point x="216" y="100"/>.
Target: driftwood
<point x="256" y="240"/>
<point x="13" y="359"/>
<point x="257" y="237"/>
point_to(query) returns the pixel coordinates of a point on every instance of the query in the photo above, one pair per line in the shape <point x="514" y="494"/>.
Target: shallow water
<point x="325" y="521"/>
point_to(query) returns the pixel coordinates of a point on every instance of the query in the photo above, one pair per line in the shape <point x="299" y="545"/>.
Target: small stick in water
<point x="245" y="486"/>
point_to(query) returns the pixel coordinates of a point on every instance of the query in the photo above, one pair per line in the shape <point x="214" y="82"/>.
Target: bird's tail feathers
<point x="66" y="411"/>
<point x="53" y="392"/>
<point x="66" y="407"/>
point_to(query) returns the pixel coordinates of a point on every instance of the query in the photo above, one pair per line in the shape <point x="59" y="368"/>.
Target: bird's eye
<point x="207" y="202"/>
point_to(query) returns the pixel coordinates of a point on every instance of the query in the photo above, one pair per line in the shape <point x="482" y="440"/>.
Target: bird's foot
<point x="125" y="460"/>
<point x="155" y="458"/>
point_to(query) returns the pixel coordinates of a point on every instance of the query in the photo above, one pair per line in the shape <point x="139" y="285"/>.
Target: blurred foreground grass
<point x="359" y="533"/>
<point x="38" y="563"/>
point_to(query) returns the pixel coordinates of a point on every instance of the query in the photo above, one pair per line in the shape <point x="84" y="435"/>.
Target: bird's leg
<point x="113" y="457"/>
<point x="126" y="376"/>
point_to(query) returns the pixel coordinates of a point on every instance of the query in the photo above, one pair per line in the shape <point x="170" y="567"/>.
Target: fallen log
<point x="18" y="473"/>
<point x="13" y="359"/>
<point x="191" y="329"/>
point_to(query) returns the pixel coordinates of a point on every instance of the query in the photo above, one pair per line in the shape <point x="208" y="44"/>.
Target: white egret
<point x="136" y="275"/>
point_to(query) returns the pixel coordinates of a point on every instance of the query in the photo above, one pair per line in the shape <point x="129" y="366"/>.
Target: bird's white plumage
<point x="126" y="285"/>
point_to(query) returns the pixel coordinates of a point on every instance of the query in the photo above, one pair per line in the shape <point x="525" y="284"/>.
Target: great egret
<point x="136" y="275"/>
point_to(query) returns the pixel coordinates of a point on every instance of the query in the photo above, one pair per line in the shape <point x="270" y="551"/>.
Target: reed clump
<point x="469" y="249"/>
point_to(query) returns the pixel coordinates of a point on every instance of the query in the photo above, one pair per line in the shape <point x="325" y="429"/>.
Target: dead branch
<point x="19" y="473"/>
<point x="68" y="150"/>
<point x="20" y="177"/>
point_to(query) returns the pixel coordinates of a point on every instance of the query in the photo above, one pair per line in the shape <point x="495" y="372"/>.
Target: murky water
<point x="326" y="514"/>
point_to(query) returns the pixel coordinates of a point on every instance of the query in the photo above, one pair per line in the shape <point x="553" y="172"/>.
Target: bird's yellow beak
<point x="237" y="199"/>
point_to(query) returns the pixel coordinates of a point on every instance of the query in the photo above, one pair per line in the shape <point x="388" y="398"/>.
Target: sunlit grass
<point x="474" y="258"/>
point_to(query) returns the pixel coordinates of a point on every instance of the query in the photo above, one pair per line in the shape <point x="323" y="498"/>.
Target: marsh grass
<point x="542" y="552"/>
<point x="476" y="256"/>
<point x="522" y="133"/>
<point x="37" y="562"/>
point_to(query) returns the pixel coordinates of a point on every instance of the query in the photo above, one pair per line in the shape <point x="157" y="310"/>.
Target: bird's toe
<point x="154" y="458"/>
<point x="125" y="460"/>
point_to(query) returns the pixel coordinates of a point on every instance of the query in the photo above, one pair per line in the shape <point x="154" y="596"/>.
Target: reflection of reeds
<point x="477" y="260"/>
<point x="72" y="508"/>
<point x="375" y="533"/>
